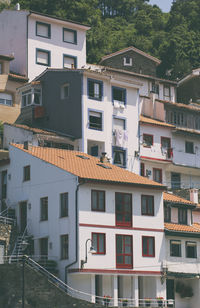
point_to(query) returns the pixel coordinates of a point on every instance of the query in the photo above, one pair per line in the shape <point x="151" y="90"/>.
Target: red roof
<point x="88" y="167"/>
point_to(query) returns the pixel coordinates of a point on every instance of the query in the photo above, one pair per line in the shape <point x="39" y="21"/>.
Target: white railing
<point x="7" y="221"/>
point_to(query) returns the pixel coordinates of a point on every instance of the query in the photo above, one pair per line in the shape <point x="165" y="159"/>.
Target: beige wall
<point x="9" y="113"/>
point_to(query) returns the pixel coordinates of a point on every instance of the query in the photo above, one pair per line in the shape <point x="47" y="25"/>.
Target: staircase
<point x="20" y="246"/>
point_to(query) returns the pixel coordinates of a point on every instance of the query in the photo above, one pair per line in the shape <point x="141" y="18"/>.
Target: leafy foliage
<point x="173" y="37"/>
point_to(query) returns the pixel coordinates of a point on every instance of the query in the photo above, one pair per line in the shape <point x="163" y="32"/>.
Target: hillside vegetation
<point x="173" y="37"/>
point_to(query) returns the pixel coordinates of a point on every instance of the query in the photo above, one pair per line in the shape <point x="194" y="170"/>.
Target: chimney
<point x="194" y="196"/>
<point x="103" y="158"/>
<point x="17" y="7"/>
<point x="27" y="146"/>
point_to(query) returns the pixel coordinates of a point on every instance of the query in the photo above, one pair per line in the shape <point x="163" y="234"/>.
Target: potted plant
<point x="160" y="300"/>
<point x="124" y="302"/>
<point x="106" y="300"/>
<point x="147" y="302"/>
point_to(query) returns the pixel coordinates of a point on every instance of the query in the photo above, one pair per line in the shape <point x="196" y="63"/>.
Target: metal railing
<point x="7" y="220"/>
<point x="105" y="301"/>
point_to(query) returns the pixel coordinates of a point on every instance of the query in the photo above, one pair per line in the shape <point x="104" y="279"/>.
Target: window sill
<point x="149" y="256"/>
<point x="124" y="266"/>
<point x="95" y="98"/>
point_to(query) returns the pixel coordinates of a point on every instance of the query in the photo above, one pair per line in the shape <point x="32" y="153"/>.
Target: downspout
<point x="76" y="231"/>
<point x="139" y="111"/>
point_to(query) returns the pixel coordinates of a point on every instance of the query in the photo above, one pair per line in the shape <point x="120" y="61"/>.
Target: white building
<point x="38" y="41"/>
<point x="182" y="246"/>
<point x="97" y="110"/>
<point x="170" y="143"/>
<point x="67" y="198"/>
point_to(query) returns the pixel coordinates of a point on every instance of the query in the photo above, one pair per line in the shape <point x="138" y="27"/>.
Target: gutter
<point x="76" y="231"/>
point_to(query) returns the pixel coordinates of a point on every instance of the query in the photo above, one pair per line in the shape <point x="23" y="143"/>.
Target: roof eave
<point x="89" y="180"/>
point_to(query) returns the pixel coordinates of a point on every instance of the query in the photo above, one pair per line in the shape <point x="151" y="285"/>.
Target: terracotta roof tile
<point x="180" y="105"/>
<point x="176" y="199"/>
<point x="147" y="120"/>
<point x="89" y="168"/>
<point x="195" y="228"/>
<point x="33" y="129"/>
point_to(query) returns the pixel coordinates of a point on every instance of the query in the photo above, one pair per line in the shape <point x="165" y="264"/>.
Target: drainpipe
<point x="76" y="231"/>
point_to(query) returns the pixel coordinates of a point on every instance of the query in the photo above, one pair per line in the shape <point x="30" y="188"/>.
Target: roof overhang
<point x="67" y="23"/>
<point x="147" y="186"/>
<point x="182" y="233"/>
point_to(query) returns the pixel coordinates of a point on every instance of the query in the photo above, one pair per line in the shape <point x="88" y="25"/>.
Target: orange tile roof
<point x="180" y="105"/>
<point x="32" y="129"/>
<point x="147" y="120"/>
<point x="21" y="78"/>
<point x="90" y="169"/>
<point x="176" y="199"/>
<point x="195" y="228"/>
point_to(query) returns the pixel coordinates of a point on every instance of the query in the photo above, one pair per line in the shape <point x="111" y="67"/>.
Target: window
<point x="175" y="180"/>
<point x="69" y="36"/>
<point x="43" y="30"/>
<point x="31" y="97"/>
<point x="119" y="157"/>
<point x="4" y="184"/>
<point x="98" y="200"/>
<point x="157" y="175"/>
<point x="64" y="243"/>
<point x="147" y="140"/>
<point x="64" y="91"/>
<point x="43" y="57"/>
<point x="167" y="214"/>
<point x="95" y="89"/>
<point x="155" y="88"/>
<point x="189" y="147"/>
<point x="119" y="95"/>
<point x="147" y="205"/>
<point x="95" y="120"/>
<point x="128" y="61"/>
<point x="119" y="124"/>
<point x="27" y="173"/>
<point x="1" y="71"/>
<point x="43" y="247"/>
<point x="182" y="216"/>
<point x="123" y="209"/>
<point x="98" y="243"/>
<point x="64" y="205"/>
<point x="148" y="246"/>
<point x="6" y="99"/>
<point x="175" y="248"/>
<point x="142" y="169"/>
<point x="166" y="92"/>
<point x="44" y="208"/>
<point x="166" y="147"/>
<point x="124" y="251"/>
<point x="191" y="249"/>
<point x="69" y="61"/>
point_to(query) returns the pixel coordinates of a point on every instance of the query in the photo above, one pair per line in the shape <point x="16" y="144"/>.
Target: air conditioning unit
<point x="148" y="173"/>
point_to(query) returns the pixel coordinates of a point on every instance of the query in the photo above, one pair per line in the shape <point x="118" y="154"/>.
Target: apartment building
<point x="182" y="244"/>
<point x="38" y="41"/>
<point x="68" y="200"/>
<point x="169" y="143"/>
<point x="96" y="109"/>
<point x="9" y="81"/>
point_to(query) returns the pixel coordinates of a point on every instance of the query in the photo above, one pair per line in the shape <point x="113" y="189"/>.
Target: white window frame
<point x="31" y="92"/>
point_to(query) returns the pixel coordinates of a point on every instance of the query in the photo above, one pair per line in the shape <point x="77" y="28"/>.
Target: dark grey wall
<point x="140" y="63"/>
<point x="62" y="115"/>
<point x="189" y="89"/>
